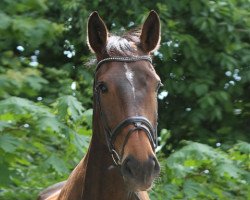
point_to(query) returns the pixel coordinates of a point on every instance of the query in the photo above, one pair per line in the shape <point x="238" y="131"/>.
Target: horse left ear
<point x="151" y="33"/>
<point x="97" y="33"/>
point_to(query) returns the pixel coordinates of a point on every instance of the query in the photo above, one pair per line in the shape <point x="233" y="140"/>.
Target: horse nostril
<point x="156" y="166"/>
<point x="127" y="168"/>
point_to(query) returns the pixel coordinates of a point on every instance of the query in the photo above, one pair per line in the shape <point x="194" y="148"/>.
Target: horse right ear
<point x="97" y="33"/>
<point x="151" y="33"/>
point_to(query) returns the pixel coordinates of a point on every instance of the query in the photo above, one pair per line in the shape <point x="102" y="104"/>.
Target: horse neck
<point x="102" y="179"/>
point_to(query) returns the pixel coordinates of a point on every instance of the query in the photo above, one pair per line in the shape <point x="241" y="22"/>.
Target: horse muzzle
<point x="139" y="175"/>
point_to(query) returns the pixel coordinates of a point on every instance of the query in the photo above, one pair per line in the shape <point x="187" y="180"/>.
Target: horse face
<point x="128" y="89"/>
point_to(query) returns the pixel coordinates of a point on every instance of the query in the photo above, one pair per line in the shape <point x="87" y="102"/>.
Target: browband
<point x="123" y="59"/>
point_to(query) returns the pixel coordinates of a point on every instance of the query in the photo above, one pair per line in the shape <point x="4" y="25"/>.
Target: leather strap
<point x="122" y="59"/>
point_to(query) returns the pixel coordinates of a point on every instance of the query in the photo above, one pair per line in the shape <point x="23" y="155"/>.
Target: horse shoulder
<point x="61" y="190"/>
<point x="51" y="191"/>
<point x="73" y="188"/>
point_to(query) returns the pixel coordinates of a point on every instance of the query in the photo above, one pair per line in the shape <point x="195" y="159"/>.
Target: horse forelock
<point x="127" y="44"/>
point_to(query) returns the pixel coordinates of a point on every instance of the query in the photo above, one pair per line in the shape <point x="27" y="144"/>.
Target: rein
<point x="138" y="122"/>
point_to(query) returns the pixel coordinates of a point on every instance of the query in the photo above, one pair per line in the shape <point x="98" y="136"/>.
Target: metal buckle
<point x="137" y="124"/>
<point x="115" y="157"/>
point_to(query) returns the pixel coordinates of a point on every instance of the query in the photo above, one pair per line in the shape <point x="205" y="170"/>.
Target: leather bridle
<point x="138" y="122"/>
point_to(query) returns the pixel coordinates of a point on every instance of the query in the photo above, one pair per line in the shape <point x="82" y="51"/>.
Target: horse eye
<point x="103" y="87"/>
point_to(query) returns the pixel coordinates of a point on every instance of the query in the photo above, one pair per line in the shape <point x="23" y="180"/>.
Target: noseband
<point x="138" y="122"/>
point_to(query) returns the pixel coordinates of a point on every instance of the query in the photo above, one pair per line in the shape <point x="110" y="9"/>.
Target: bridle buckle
<point x="116" y="158"/>
<point x="137" y="124"/>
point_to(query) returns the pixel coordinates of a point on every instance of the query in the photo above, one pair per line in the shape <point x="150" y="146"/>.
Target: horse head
<point x="125" y="90"/>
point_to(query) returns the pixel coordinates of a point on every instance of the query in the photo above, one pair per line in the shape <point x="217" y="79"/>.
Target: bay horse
<point x="120" y="163"/>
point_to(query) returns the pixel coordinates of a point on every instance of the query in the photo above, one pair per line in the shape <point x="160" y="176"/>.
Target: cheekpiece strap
<point x="123" y="59"/>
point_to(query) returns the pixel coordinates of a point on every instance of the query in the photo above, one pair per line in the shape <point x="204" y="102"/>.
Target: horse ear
<point x="151" y="33"/>
<point x="97" y="33"/>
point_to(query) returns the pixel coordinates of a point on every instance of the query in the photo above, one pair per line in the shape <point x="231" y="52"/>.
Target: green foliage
<point x="198" y="171"/>
<point x="8" y="143"/>
<point x="43" y="121"/>
<point x="46" y="93"/>
<point x="34" y="141"/>
<point x="69" y="106"/>
<point x="206" y="50"/>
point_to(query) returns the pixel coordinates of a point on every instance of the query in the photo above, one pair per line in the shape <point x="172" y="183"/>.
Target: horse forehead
<point x="129" y="70"/>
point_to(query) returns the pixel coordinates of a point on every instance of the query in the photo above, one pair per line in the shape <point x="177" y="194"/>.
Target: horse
<point x="121" y="162"/>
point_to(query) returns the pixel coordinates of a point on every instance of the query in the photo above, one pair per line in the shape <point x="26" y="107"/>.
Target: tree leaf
<point x="50" y="122"/>
<point x="69" y="105"/>
<point x="8" y="143"/>
<point x="191" y="189"/>
<point x="88" y="117"/>
<point x="19" y="105"/>
<point x="243" y="147"/>
<point x="4" y="174"/>
<point x="57" y="164"/>
<point x="226" y="168"/>
<point x="201" y="89"/>
<point x="5" y="21"/>
<point x="4" y="125"/>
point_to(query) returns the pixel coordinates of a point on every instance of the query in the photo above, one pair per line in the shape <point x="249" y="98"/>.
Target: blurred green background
<point x="204" y="106"/>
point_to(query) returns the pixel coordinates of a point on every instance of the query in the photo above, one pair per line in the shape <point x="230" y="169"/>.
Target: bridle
<point x="138" y="122"/>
